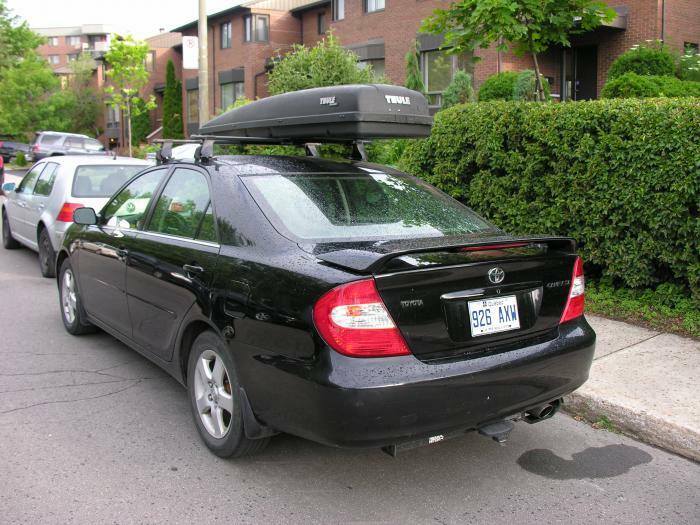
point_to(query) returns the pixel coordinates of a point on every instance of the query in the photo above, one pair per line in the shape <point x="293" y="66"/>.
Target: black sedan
<point x="343" y="302"/>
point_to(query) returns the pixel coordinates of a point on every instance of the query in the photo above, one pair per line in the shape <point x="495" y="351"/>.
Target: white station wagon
<point x="38" y="210"/>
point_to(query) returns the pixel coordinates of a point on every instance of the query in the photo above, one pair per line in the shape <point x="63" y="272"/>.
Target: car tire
<point x="8" y="241"/>
<point x="47" y="256"/>
<point x="72" y="311"/>
<point x="213" y="389"/>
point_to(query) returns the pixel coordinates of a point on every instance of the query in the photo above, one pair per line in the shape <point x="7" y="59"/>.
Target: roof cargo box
<point x="329" y="114"/>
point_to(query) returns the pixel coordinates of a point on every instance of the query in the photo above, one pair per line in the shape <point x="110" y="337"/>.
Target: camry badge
<point x="496" y="275"/>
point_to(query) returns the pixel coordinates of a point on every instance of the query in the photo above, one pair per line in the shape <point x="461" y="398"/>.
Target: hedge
<point x="620" y="176"/>
<point x="631" y="85"/>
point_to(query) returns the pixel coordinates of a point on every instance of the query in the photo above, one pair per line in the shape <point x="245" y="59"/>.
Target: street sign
<point x="190" y="50"/>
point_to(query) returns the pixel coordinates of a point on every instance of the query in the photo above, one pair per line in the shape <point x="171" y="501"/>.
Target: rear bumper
<point x="349" y="402"/>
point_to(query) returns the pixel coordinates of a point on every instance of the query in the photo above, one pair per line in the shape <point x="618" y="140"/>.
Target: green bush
<point x="646" y="60"/>
<point x="525" y="87"/>
<point x="631" y="85"/>
<point x="622" y="177"/>
<point x="459" y="90"/>
<point x="498" y="87"/>
<point x="689" y="65"/>
<point x="20" y="159"/>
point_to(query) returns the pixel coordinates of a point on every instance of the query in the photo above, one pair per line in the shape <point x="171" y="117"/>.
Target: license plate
<point x="490" y="316"/>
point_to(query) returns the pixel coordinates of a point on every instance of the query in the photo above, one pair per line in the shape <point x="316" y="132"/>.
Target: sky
<point x="141" y="18"/>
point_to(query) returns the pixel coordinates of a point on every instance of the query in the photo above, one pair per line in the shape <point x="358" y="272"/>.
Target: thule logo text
<point x="395" y="99"/>
<point x="328" y="101"/>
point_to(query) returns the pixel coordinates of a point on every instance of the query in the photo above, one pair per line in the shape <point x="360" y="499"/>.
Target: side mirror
<point x="8" y="187"/>
<point x="85" y="216"/>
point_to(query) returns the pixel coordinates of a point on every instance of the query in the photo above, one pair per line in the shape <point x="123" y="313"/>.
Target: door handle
<point x="192" y="270"/>
<point x="41" y="206"/>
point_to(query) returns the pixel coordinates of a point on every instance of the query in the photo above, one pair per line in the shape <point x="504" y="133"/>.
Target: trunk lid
<point x="428" y="290"/>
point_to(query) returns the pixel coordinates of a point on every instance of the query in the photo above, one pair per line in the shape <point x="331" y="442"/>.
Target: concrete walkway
<point x="646" y="383"/>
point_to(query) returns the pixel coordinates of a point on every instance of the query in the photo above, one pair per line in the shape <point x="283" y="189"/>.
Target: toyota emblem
<point x="496" y="275"/>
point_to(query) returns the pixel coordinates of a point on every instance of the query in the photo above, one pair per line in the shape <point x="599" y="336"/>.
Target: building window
<point x="377" y="66"/>
<point x="374" y="5"/>
<point x="231" y="92"/>
<point x="73" y="41"/>
<point x="94" y="39"/>
<point x="150" y="61"/>
<point x="322" y="23"/>
<point x="53" y="41"/>
<point x="438" y="69"/>
<point x="226" y="35"/>
<point x="53" y="59"/>
<point x="338" y="7"/>
<point x="193" y="106"/>
<point x="72" y="57"/>
<point x="691" y="48"/>
<point x="256" y="28"/>
<point x="112" y="116"/>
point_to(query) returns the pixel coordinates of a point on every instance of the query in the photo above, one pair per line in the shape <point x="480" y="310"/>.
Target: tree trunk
<point x="538" y="81"/>
<point x="128" y="125"/>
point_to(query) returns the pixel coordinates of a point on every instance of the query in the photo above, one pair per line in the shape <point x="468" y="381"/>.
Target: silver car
<point x="54" y="143"/>
<point x="38" y="210"/>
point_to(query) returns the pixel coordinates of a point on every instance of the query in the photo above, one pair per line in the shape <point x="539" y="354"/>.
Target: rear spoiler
<point x="373" y="258"/>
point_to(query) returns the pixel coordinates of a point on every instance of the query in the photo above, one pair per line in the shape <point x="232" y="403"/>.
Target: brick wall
<point x="309" y="24"/>
<point x="62" y="50"/>
<point x="682" y="22"/>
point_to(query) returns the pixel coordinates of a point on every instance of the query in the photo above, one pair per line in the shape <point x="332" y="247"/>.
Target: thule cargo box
<point x="329" y="114"/>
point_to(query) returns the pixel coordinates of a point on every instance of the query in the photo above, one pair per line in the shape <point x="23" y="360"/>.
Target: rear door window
<point x="101" y="180"/>
<point x="182" y="207"/>
<point x="29" y="180"/>
<point x="44" y="185"/>
<point x="74" y="142"/>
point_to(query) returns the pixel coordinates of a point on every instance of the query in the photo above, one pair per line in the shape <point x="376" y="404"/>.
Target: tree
<point x="414" y="77"/>
<point x="127" y="71"/>
<point x="325" y="64"/>
<point x="529" y="26"/>
<point x="87" y="100"/>
<point x="16" y="39"/>
<point x="31" y="98"/>
<point x="459" y="91"/>
<point x="172" y="104"/>
<point x="140" y="123"/>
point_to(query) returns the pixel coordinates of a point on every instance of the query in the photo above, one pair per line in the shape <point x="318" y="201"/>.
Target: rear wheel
<point x="213" y="390"/>
<point x="47" y="256"/>
<point x="8" y="241"/>
<point x="72" y="311"/>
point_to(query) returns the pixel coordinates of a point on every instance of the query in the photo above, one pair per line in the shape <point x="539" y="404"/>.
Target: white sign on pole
<point x="190" y="52"/>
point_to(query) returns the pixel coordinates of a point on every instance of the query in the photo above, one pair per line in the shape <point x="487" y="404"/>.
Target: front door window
<point x="128" y="208"/>
<point x="182" y="207"/>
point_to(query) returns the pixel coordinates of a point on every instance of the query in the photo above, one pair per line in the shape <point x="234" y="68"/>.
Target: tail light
<point x="492" y="247"/>
<point x="574" y="303"/>
<point x="66" y="213"/>
<point x="35" y="148"/>
<point x="353" y="321"/>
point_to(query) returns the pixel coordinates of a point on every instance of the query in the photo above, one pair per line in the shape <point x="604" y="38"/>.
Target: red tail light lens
<point x="35" y="148"/>
<point x="353" y="321"/>
<point x="575" y="301"/>
<point x="66" y="213"/>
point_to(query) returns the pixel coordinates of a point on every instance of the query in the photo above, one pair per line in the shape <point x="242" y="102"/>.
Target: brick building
<point x="64" y="44"/>
<point x="243" y="39"/>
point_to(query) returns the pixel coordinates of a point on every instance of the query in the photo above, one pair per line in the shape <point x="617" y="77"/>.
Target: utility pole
<point x="203" y="64"/>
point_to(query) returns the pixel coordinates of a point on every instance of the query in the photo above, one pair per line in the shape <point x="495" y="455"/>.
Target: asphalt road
<point x="90" y="432"/>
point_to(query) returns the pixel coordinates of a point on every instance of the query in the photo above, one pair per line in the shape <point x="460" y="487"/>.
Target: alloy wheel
<point x="212" y="392"/>
<point x="69" y="299"/>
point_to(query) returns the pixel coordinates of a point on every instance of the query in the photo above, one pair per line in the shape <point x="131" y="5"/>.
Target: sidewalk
<point x="646" y="383"/>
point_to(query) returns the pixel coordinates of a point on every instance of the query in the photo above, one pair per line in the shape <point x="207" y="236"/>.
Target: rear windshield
<point x="101" y="180"/>
<point x="49" y="139"/>
<point x="367" y="206"/>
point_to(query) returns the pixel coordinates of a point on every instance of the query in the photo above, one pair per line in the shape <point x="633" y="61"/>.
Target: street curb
<point x="641" y="425"/>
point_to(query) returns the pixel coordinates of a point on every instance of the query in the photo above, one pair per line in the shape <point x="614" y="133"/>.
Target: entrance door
<point x="581" y="73"/>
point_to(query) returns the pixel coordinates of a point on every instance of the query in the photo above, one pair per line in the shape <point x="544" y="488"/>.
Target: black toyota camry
<point x="341" y="301"/>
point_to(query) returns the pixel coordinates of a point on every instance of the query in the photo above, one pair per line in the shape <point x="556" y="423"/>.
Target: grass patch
<point x="668" y="308"/>
<point x="604" y="423"/>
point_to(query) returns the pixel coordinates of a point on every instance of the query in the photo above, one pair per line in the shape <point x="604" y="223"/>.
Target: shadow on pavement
<point x="594" y="462"/>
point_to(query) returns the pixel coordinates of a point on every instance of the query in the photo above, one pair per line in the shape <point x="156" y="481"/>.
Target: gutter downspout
<point x="663" y="20"/>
